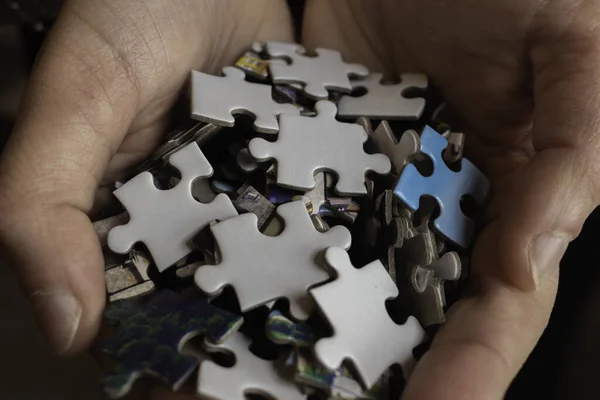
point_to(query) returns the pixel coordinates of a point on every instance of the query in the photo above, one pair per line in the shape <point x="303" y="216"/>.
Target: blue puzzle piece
<point x="151" y="333"/>
<point x="446" y="186"/>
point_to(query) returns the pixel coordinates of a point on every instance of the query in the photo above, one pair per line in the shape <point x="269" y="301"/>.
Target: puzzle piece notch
<point x="318" y="74"/>
<point x="446" y="186"/>
<point x="151" y="334"/>
<point x="166" y="220"/>
<point x="385" y="101"/>
<point x="307" y="145"/>
<point x="263" y="268"/>
<point x="216" y="99"/>
<point x="250" y="374"/>
<point x="353" y="318"/>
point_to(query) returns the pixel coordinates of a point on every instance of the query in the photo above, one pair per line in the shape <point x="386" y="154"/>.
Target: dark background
<point x="563" y="365"/>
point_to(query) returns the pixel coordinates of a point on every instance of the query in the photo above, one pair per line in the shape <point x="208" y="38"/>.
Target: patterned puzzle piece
<point x="215" y="99"/>
<point x="354" y="304"/>
<point x="446" y="186"/>
<point x="326" y="71"/>
<point x="384" y="141"/>
<point x="166" y="220"/>
<point x="385" y="101"/>
<point x="151" y="334"/>
<point x="263" y="268"/>
<point x="250" y="374"/>
<point x="339" y="383"/>
<point x="281" y="330"/>
<point x="306" y="145"/>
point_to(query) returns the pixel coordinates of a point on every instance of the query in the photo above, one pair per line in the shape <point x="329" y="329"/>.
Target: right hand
<point x="97" y="104"/>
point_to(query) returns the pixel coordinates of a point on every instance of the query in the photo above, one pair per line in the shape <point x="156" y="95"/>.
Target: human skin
<point x="522" y="75"/>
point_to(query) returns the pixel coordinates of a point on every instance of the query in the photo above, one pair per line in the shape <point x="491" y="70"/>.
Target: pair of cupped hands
<point x="522" y="74"/>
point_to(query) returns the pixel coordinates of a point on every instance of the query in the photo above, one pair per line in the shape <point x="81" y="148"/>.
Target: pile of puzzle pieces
<point x="280" y="245"/>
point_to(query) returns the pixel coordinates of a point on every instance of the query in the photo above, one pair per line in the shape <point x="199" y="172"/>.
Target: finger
<point x="483" y="344"/>
<point x="80" y="102"/>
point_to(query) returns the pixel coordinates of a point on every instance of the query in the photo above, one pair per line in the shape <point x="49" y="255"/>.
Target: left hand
<point x="523" y="75"/>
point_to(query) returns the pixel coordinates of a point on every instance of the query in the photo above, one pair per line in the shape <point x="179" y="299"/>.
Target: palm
<point x="482" y="57"/>
<point x="194" y="35"/>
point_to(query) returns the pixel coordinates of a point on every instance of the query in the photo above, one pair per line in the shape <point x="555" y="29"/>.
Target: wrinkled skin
<point x="522" y="74"/>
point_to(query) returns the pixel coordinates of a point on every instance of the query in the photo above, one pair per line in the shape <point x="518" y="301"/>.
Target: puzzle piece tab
<point x="326" y="71"/>
<point x="446" y="186"/>
<point x="166" y="220"/>
<point x="385" y="101"/>
<point x="250" y="374"/>
<point x="215" y="99"/>
<point x="354" y="305"/>
<point x="263" y="268"/>
<point x="306" y="145"/>
<point x="151" y="333"/>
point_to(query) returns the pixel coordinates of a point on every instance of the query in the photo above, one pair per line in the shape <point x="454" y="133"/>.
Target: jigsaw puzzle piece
<point x="422" y="275"/>
<point x="151" y="334"/>
<point x="262" y="268"/>
<point x="306" y="145"/>
<point x="352" y="316"/>
<point x="326" y="71"/>
<point x="166" y="220"/>
<point x="249" y="375"/>
<point x="282" y="330"/>
<point x="446" y="186"/>
<point x="385" y="101"/>
<point x="216" y="99"/>
<point x="399" y="152"/>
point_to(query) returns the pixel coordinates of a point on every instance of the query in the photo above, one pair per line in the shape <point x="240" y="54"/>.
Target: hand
<point x="523" y="75"/>
<point x="97" y="104"/>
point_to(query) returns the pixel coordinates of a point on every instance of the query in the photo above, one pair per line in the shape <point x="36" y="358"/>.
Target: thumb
<point x="76" y="111"/>
<point x="543" y="206"/>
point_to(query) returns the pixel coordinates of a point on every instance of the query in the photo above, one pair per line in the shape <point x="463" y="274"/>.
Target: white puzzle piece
<point x="306" y="145"/>
<point x="385" y="101"/>
<point x="249" y="375"/>
<point x="262" y="268"/>
<point x="326" y="71"/>
<point x="354" y="305"/>
<point x="384" y="141"/>
<point x="166" y="220"/>
<point x="216" y="99"/>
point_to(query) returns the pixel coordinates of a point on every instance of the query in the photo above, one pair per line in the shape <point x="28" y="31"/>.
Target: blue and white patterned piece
<point x="446" y="186"/>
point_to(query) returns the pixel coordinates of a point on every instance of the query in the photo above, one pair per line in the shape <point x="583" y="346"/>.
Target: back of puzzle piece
<point x="446" y="186"/>
<point x="151" y="334"/>
<point x="166" y="220"/>
<point x="262" y="268"/>
<point x="307" y="145"/>
<point x="215" y="99"/>
<point x="363" y="332"/>
<point x="326" y="71"/>
<point x="385" y="101"/>
<point x="249" y="374"/>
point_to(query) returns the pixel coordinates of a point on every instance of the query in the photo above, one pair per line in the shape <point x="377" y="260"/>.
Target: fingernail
<point x="545" y="253"/>
<point x="58" y="315"/>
